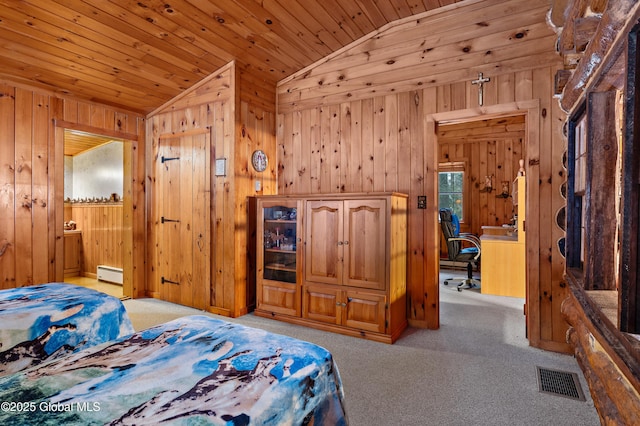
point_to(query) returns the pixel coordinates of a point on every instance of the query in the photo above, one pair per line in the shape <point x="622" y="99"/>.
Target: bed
<point x="193" y="370"/>
<point x="48" y="321"/>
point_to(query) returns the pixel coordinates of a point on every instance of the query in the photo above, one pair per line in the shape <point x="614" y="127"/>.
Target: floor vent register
<point x="560" y="383"/>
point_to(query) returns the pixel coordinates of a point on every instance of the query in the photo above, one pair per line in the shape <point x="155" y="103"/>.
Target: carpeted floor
<point x="477" y="369"/>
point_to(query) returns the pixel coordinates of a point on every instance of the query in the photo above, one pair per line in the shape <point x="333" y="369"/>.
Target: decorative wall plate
<point x="259" y="160"/>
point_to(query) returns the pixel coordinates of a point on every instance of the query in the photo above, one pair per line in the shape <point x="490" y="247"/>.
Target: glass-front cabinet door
<point x="278" y="262"/>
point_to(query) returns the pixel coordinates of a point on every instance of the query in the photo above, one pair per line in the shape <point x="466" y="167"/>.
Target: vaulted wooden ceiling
<point x="138" y="54"/>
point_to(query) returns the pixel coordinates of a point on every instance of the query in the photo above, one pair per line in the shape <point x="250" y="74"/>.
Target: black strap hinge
<point x="164" y="220"/>
<point x="164" y="159"/>
<point x="164" y="280"/>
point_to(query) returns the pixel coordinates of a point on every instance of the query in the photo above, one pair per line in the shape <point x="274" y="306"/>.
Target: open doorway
<point x="94" y="176"/>
<point x="508" y="131"/>
<point x="478" y="164"/>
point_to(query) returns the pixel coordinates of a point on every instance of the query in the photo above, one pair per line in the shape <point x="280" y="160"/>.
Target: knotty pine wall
<point x="239" y="109"/>
<point x="32" y="183"/>
<point x="365" y="118"/>
<point x="102" y="235"/>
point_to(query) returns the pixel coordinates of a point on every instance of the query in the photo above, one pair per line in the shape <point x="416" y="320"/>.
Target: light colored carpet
<point x="477" y="369"/>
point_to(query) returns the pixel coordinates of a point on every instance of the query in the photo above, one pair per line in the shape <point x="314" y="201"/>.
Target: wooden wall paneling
<point x="153" y="131"/>
<point x="325" y="150"/>
<point x="102" y="227"/>
<point x="218" y="238"/>
<point x="416" y="217"/>
<point x="303" y="151"/>
<point x="205" y="240"/>
<point x="39" y="187"/>
<point x="24" y="199"/>
<point x="367" y="142"/>
<point x="443" y="99"/>
<point x="482" y="173"/>
<point x="524" y="85"/>
<point x="380" y="142"/>
<point x="97" y="116"/>
<point x="406" y="105"/>
<point x="249" y="135"/>
<point x="34" y="181"/>
<point x="353" y="149"/>
<point x="500" y="175"/>
<point x="492" y="170"/>
<point x="55" y="197"/>
<point x="286" y="149"/>
<point x="425" y="297"/>
<point x="506" y="87"/>
<point x="228" y="201"/>
<point x="335" y="151"/>
<point x="296" y="153"/>
<point x="83" y="111"/>
<point x="188" y="176"/>
<point x="7" y="188"/>
<point x="134" y="225"/>
<point x="391" y="143"/>
<point x="315" y="147"/>
<point x="344" y="168"/>
<point x="201" y="241"/>
<point x="56" y="179"/>
<point x="532" y="228"/>
<point x="552" y="291"/>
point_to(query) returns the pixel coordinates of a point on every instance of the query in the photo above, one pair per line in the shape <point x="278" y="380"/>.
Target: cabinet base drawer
<point x="377" y="337"/>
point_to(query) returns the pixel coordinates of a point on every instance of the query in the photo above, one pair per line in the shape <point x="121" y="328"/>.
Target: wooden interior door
<point x="183" y="219"/>
<point x="324" y="241"/>
<point x="365" y="244"/>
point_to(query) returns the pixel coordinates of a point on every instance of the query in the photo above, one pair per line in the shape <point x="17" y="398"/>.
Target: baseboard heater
<point x="110" y="274"/>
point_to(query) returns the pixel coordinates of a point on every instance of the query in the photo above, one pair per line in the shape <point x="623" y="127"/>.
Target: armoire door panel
<point x="365" y="311"/>
<point x="324" y="244"/>
<point x="322" y="304"/>
<point x="365" y="244"/>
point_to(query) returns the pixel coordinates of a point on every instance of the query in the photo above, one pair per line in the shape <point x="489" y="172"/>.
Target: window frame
<point x="455" y="167"/>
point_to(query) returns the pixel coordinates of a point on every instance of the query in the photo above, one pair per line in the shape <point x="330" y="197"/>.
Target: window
<point x="580" y="185"/>
<point x="451" y="188"/>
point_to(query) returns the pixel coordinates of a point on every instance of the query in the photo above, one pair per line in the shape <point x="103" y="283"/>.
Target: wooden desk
<point x="503" y="253"/>
<point x="503" y="265"/>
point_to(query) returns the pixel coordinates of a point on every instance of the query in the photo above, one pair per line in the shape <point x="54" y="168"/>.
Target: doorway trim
<point x="131" y="215"/>
<point x="531" y="110"/>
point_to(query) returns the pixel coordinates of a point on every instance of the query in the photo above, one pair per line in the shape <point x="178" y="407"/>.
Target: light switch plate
<point x="422" y="201"/>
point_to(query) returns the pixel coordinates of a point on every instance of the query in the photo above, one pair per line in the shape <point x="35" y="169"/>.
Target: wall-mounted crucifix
<point x="480" y="82"/>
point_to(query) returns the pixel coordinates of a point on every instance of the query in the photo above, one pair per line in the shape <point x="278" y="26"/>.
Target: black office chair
<point x="455" y="248"/>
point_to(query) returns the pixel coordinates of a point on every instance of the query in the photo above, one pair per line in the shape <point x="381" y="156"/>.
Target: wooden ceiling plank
<point x="139" y="33"/>
<point x="450" y="50"/>
<point x="431" y="4"/>
<point x="336" y="12"/>
<point x="414" y="79"/>
<point x="55" y="59"/>
<point x="413" y="36"/>
<point x="229" y="39"/>
<point x="80" y="48"/>
<point x="379" y="13"/>
<point x="50" y="65"/>
<point x="287" y="32"/>
<point x="312" y="24"/>
<point x="69" y="86"/>
<point x="331" y="26"/>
